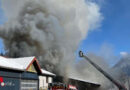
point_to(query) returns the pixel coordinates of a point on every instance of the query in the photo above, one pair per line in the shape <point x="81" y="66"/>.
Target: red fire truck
<point x="61" y="86"/>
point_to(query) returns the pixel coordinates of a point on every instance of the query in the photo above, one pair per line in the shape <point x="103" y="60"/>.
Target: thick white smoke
<point x="48" y="29"/>
<point x="85" y="71"/>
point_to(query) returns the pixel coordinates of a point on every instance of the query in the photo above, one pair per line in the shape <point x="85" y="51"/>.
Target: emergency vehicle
<point x="61" y="86"/>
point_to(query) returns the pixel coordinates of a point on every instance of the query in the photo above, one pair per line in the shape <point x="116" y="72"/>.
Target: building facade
<point x="18" y="80"/>
<point x="45" y="79"/>
<point x="19" y="73"/>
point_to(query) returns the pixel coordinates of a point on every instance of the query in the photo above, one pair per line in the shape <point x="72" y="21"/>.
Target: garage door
<point x="29" y="84"/>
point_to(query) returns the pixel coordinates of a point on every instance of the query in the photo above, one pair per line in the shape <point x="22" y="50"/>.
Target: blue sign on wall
<point x="9" y="84"/>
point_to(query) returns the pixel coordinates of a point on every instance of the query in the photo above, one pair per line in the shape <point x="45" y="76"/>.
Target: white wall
<point x="42" y="82"/>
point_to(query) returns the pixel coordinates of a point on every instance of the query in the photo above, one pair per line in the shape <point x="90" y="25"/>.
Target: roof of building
<point x="18" y="63"/>
<point x="47" y="72"/>
<point x="82" y="80"/>
<point x="9" y="63"/>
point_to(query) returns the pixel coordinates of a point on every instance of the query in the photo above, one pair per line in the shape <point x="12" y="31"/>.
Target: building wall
<point x="44" y="81"/>
<point x="29" y="84"/>
<point x="10" y="84"/>
<point x="50" y="80"/>
<point x="11" y="80"/>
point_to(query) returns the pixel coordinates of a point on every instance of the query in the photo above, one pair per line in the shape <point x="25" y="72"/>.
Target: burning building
<point x="26" y="73"/>
<point x="51" y="30"/>
<point x="48" y="29"/>
<point x="19" y="73"/>
<point x="79" y="83"/>
<point x="45" y="78"/>
<point x="83" y="84"/>
<point x="23" y="74"/>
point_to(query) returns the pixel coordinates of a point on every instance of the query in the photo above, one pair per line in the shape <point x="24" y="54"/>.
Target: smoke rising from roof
<point x="85" y="71"/>
<point x="51" y="30"/>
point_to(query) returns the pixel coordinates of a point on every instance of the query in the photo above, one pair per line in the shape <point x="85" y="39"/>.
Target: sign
<point x="2" y="82"/>
<point x="7" y="83"/>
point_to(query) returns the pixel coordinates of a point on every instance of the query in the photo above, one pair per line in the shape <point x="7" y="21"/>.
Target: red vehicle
<point x="61" y="86"/>
<point x="71" y="87"/>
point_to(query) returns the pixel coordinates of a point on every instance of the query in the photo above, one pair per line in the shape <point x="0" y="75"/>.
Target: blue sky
<point x="114" y="31"/>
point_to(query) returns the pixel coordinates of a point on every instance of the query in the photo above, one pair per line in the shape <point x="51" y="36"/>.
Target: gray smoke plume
<point x="85" y="71"/>
<point x="48" y="29"/>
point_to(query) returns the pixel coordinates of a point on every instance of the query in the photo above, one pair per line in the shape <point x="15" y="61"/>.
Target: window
<point x="47" y="80"/>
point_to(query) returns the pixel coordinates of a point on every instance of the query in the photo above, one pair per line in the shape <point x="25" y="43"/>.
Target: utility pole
<point x="120" y="87"/>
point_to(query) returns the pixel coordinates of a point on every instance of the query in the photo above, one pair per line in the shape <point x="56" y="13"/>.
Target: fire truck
<point x="61" y="86"/>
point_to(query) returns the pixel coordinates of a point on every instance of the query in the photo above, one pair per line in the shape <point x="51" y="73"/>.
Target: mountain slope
<point x="124" y="65"/>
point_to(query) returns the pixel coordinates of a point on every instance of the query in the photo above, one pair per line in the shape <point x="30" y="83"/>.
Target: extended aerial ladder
<point x="120" y="86"/>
